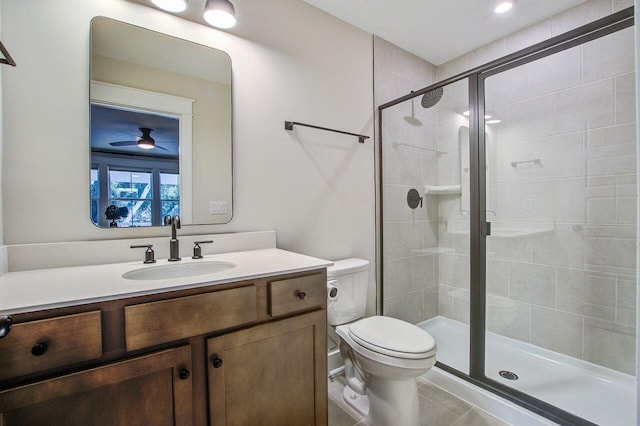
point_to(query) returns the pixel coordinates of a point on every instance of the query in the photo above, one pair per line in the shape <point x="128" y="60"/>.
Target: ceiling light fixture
<point x="220" y="13"/>
<point x="171" y="5"/>
<point x="146" y="141"/>
<point x="504" y="6"/>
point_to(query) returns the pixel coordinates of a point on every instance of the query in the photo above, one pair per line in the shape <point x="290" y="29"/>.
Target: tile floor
<point x="437" y="408"/>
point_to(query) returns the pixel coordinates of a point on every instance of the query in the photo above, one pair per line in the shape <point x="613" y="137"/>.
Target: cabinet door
<point x="148" y="390"/>
<point x="271" y="374"/>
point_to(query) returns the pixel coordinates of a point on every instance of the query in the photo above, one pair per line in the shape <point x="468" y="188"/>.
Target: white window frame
<point x="160" y="103"/>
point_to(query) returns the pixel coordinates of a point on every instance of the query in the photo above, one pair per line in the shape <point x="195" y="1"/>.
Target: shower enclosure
<point x="518" y="250"/>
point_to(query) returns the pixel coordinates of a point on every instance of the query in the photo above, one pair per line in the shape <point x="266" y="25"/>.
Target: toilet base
<point x="358" y="402"/>
<point x="395" y="402"/>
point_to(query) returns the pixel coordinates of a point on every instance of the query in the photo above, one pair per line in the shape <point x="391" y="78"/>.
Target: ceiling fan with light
<point x="145" y="141"/>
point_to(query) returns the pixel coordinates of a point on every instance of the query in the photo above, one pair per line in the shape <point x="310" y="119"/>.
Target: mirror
<point x="161" y="139"/>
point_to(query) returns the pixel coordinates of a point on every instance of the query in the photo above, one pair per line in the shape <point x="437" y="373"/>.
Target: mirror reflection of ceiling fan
<point x="145" y="141"/>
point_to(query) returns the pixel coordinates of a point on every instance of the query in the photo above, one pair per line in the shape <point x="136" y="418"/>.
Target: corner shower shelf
<point x="442" y="189"/>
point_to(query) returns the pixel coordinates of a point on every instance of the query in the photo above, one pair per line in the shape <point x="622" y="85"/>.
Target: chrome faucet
<point x="174" y="244"/>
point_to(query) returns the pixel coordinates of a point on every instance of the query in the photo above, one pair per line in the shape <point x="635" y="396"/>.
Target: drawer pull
<point x="5" y="325"/>
<point x="217" y="362"/>
<point x="184" y="374"/>
<point x="302" y="295"/>
<point x="39" y="349"/>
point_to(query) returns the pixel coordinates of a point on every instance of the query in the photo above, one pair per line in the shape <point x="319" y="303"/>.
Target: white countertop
<point x="54" y="288"/>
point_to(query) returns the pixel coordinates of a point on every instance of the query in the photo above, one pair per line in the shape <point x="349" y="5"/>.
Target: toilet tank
<point x="351" y="278"/>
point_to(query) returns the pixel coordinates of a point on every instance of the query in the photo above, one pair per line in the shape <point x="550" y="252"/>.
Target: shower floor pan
<point x="601" y="395"/>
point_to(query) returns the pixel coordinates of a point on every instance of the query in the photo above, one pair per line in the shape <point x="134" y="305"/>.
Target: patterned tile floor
<point x="437" y="408"/>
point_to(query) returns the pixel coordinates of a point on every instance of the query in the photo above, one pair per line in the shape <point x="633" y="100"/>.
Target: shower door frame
<point x="479" y="227"/>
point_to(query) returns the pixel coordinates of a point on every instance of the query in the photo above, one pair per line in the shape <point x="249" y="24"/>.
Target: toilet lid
<point x="393" y="337"/>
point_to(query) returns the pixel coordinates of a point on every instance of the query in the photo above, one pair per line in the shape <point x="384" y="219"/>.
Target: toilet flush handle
<point x="332" y="290"/>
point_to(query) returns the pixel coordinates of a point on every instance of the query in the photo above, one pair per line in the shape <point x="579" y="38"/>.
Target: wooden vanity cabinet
<point x="270" y="374"/>
<point x="245" y="353"/>
<point x="153" y="389"/>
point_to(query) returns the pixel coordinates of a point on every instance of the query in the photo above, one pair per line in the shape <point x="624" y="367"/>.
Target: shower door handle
<point x="486" y="229"/>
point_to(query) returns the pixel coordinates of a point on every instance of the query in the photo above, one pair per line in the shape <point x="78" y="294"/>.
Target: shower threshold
<point x="598" y="394"/>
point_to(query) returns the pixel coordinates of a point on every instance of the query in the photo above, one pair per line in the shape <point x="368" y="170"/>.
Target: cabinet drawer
<point x="297" y="294"/>
<point x="150" y="324"/>
<point x="39" y="345"/>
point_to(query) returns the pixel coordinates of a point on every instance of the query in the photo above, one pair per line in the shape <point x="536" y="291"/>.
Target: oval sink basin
<point x="178" y="270"/>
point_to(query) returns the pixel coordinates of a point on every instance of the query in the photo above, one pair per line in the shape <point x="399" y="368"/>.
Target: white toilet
<point x="383" y="356"/>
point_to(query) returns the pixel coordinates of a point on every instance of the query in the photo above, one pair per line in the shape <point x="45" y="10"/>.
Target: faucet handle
<point x="197" y="250"/>
<point x="149" y="255"/>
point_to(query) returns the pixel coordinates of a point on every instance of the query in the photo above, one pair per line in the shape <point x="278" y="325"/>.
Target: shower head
<point x="411" y="119"/>
<point x="432" y="97"/>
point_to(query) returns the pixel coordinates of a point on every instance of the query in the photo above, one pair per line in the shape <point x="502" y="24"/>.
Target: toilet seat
<point x="392" y="337"/>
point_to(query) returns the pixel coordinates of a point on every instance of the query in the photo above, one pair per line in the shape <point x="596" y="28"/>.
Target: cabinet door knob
<point x="302" y="295"/>
<point x="39" y="349"/>
<point x="217" y="362"/>
<point x="5" y="325"/>
<point x="184" y="374"/>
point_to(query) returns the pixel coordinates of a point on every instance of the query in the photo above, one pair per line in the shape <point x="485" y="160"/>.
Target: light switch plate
<point x="218" y="207"/>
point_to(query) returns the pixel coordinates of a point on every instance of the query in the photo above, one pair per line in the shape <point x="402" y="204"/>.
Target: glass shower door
<point x="425" y="148"/>
<point x="560" y="153"/>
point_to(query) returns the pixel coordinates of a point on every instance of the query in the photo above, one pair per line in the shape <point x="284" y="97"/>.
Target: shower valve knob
<point x="414" y="199"/>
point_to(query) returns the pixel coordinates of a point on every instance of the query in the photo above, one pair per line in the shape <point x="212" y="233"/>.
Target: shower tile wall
<point x="409" y="161"/>
<point x="572" y="288"/>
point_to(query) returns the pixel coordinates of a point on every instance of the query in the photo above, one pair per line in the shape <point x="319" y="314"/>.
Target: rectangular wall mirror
<point x="161" y="136"/>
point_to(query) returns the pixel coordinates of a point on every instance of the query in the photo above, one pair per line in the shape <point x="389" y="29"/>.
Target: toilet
<point x="383" y="356"/>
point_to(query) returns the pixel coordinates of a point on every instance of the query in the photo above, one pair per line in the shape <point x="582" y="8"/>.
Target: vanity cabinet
<point x="241" y="353"/>
<point x="39" y="345"/>
<point x="267" y="375"/>
<point x="154" y="390"/>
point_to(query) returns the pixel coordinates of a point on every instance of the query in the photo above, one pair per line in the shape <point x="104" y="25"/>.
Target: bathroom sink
<point x="182" y="270"/>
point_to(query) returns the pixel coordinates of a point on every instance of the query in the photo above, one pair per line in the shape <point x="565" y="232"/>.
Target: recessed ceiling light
<point x="171" y="5"/>
<point x="504" y="6"/>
